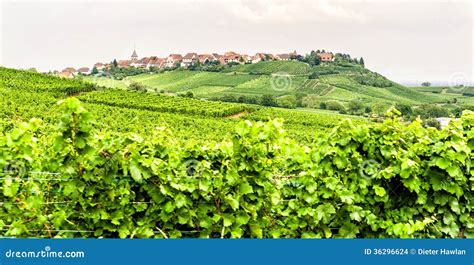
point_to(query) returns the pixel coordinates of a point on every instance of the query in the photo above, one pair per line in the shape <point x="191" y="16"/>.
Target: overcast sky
<point x="407" y="42"/>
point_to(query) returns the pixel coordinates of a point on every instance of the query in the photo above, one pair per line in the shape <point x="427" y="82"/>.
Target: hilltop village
<point x="192" y="59"/>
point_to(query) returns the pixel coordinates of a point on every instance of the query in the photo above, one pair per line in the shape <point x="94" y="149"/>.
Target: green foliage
<point x="312" y="59"/>
<point x="372" y="79"/>
<point x="405" y="109"/>
<point x="335" y="105"/>
<point x="268" y="100"/>
<point x="355" y="106"/>
<point x="120" y="73"/>
<point x="272" y="67"/>
<point x="31" y="81"/>
<point x="288" y="102"/>
<point x="94" y="71"/>
<point x="137" y="87"/>
<point x="257" y="183"/>
<point x="432" y="123"/>
<point x="157" y="102"/>
<point x="431" y="111"/>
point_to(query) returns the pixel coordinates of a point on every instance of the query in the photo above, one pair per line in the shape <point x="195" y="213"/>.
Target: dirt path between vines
<point x="237" y="115"/>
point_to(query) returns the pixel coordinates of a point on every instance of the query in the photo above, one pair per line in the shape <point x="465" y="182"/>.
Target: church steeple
<point x="134" y="55"/>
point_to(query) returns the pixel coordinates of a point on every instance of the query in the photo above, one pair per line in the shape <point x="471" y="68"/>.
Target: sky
<point x="409" y="42"/>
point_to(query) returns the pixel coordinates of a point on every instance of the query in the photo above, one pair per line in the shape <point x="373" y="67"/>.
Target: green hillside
<point x="26" y="95"/>
<point x="271" y="67"/>
<point x="294" y="82"/>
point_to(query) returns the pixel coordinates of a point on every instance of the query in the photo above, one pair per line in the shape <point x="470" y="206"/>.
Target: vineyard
<point x="140" y="112"/>
<point x="271" y="67"/>
<point x="378" y="180"/>
<point x="342" y="82"/>
<point x="133" y="100"/>
<point x="177" y="81"/>
<point x="120" y="163"/>
<point x="24" y="80"/>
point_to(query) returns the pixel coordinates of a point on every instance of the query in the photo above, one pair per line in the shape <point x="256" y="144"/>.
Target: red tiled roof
<point x="124" y="63"/>
<point x="69" y="69"/>
<point x="284" y="56"/>
<point x="176" y="56"/>
<point x="204" y="57"/>
<point x="190" y="56"/>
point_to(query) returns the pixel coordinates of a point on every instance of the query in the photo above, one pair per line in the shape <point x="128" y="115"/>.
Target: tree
<point x="313" y="58"/>
<point x="361" y="62"/>
<point x="426" y="84"/>
<point x="137" y="87"/>
<point x="404" y="109"/>
<point x="268" y="100"/>
<point x="355" y="106"/>
<point x="189" y="94"/>
<point x="288" y="102"/>
<point x="94" y="71"/>
<point x="114" y="63"/>
<point x="313" y="75"/>
<point x="335" y="105"/>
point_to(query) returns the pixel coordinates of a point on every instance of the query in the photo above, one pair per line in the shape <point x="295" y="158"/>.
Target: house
<point x="66" y="74"/>
<point x="84" y="70"/>
<point x="142" y="63"/>
<point x="255" y="59"/>
<point x="326" y="56"/>
<point x="124" y="63"/>
<point x="206" y="58"/>
<point x="231" y="57"/>
<point x="283" y="57"/>
<point x="99" y="66"/>
<point x="265" y="56"/>
<point x="246" y="58"/>
<point x="173" y="60"/>
<point x="155" y="62"/>
<point x="190" y="59"/>
<point x="70" y="70"/>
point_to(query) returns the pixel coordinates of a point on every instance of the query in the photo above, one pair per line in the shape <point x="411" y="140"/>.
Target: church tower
<point x="134" y="56"/>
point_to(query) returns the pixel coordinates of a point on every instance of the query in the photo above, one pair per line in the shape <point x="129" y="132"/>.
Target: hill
<point x="292" y="83"/>
<point x="25" y="95"/>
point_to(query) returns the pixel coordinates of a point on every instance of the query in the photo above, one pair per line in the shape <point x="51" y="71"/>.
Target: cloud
<point x="291" y="11"/>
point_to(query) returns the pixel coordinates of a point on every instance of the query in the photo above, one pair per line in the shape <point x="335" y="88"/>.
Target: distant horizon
<point x="409" y="43"/>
